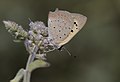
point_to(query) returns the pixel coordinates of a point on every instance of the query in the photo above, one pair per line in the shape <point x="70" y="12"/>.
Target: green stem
<point x="27" y="74"/>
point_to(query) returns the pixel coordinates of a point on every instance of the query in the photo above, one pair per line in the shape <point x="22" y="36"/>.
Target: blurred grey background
<point x="97" y="45"/>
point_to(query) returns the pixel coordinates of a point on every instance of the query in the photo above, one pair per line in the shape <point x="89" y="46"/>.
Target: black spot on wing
<point x="71" y="30"/>
<point x="75" y="24"/>
<point x="59" y="30"/>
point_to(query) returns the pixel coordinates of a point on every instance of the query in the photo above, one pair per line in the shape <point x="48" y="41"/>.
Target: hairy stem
<point x="27" y="73"/>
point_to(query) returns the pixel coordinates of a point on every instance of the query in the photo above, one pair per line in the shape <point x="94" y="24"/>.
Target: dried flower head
<point x="15" y="30"/>
<point x="36" y="40"/>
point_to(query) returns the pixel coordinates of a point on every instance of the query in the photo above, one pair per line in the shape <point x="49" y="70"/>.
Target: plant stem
<point x="27" y="73"/>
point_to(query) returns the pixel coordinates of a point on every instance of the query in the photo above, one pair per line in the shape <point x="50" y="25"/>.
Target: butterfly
<point x="63" y="26"/>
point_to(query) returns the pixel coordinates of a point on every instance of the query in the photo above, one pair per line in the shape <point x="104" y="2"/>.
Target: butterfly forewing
<point x="60" y="24"/>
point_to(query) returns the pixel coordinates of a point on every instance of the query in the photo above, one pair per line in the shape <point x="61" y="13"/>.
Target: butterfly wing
<point x="59" y="25"/>
<point x="63" y="26"/>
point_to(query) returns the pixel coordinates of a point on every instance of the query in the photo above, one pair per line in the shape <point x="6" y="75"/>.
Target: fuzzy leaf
<point x="37" y="64"/>
<point x="18" y="76"/>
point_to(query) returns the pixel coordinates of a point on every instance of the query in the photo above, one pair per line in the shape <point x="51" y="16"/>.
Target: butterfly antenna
<point x="29" y="19"/>
<point x="67" y="51"/>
